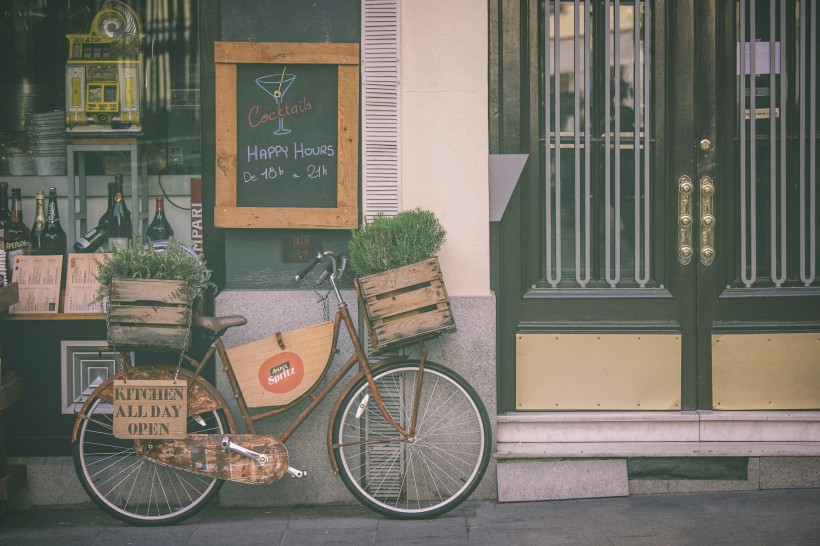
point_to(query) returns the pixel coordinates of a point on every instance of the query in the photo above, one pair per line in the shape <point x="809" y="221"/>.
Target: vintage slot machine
<point x="104" y="73"/>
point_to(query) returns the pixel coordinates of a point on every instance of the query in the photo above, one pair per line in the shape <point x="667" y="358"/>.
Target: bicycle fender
<point x="202" y="398"/>
<point x="337" y="404"/>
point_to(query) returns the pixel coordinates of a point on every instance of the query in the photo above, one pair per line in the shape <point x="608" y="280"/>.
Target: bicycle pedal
<point x="294" y="473"/>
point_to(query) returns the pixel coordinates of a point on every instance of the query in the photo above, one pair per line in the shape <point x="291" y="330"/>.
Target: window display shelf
<point x="76" y="167"/>
<point x="8" y="297"/>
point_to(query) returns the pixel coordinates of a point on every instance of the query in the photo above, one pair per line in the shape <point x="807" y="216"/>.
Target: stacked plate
<point x="46" y="137"/>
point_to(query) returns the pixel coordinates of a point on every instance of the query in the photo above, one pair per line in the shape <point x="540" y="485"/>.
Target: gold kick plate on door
<point x="685" y="221"/>
<point x="707" y="221"/>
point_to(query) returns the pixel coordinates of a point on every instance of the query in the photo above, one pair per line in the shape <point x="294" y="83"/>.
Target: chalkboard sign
<point x="287" y="135"/>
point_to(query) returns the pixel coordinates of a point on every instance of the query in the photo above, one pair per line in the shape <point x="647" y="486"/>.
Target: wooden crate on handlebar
<point x="405" y="305"/>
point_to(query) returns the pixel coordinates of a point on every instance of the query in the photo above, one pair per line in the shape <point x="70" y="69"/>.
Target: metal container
<point x="15" y="99"/>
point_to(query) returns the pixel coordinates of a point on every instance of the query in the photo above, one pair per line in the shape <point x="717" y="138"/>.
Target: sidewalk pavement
<point x="782" y="517"/>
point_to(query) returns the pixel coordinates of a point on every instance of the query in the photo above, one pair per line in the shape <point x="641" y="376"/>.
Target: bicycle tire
<point x="432" y="474"/>
<point x="133" y="489"/>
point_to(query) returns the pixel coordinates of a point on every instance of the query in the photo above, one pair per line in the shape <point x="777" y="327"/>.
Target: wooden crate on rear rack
<point x="148" y="314"/>
<point x="405" y="305"/>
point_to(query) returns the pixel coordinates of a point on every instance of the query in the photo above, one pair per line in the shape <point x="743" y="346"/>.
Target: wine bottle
<point x="5" y="220"/>
<point x="54" y="238"/>
<point x="16" y="235"/>
<point x="98" y="235"/>
<point x="38" y="230"/>
<point x="120" y="229"/>
<point x="5" y="215"/>
<point x="160" y="228"/>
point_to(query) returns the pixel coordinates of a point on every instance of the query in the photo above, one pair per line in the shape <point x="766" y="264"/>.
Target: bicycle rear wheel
<point x="133" y="489"/>
<point x="428" y="475"/>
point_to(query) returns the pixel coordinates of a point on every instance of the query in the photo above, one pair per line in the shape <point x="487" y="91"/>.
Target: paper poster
<point x="81" y="284"/>
<point x="38" y="279"/>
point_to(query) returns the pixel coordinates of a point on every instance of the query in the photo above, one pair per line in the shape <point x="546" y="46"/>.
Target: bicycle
<point x="409" y="438"/>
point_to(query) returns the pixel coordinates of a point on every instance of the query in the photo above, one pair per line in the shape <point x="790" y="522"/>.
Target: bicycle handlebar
<point x="337" y="263"/>
<point x="309" y="266"/>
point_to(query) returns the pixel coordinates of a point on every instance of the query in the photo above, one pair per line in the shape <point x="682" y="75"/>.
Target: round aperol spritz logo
<point x="281" y="373"/>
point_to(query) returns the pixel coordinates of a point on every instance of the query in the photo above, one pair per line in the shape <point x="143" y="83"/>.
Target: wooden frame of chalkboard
<point x="287" y="135"/>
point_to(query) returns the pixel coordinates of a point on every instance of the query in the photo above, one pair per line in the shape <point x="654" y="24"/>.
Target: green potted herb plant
<point x="150" y="294"/>
<point x="399" y="282"/>
<point x="390" y="242"/>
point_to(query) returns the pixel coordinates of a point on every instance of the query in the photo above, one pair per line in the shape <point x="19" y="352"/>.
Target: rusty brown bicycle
<point x="410" y="438"/>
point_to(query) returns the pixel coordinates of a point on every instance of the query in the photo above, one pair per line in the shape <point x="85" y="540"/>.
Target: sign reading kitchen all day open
<point x="150" y="409"/>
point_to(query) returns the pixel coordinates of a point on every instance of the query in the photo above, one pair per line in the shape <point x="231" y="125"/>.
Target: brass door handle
<point x="685" y="222"/>
<point x="707" y="221"/>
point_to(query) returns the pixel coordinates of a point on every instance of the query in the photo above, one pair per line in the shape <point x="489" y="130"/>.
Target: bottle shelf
<point x="138" y="184"/>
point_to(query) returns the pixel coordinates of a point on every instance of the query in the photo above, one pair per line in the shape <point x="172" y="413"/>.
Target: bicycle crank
<point x="260" y="458"/>
<point x="243" y="458"/>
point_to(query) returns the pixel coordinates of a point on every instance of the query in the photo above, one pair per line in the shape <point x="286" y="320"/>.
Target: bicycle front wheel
<point x="133" y="489"/>
<point x="428" y="474"/>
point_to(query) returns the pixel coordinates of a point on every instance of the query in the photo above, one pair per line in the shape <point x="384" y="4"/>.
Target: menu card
<point x="38" y="279"/>
<point x="81" y="284"/>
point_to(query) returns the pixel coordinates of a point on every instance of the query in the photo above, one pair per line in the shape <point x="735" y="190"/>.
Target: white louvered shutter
<point x="381" y="173"/>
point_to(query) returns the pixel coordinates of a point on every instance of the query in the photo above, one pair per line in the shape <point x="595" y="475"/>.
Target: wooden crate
<point x="148" y="314"/>
<point x="405" y="305"/>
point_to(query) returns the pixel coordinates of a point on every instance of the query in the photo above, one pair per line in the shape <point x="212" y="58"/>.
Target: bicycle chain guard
<point x="202" y="454"/>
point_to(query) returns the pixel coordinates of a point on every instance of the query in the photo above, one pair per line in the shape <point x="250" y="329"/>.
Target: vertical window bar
<point x="584" y="279"/>
<point x="647" y="16"/>
<point x="772" y="143"/>
<point x="752" y="140"/>
<point x="577" y="72"/>
<point x="813" y="156"/>
<point x="801" y="97"/>
<point x="555" y="279"/>
<point x="636" y="81"/>
<point x="607" y="148"/>
<point x="744" y="254"/>
<point x="640" y="278"/>
<point x="808" y="276"/>
<point x="783" y="141"/>
<point x="548" y="139"/>
<point x="778" y="246"/>
<point x="617" y="194"/>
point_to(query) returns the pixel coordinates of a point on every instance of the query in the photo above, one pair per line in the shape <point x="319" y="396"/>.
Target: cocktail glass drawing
<point x="276" y="85"/>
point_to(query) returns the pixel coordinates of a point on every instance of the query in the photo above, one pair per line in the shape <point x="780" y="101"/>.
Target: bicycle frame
<point x="359" y="356"/>
<point x="342" y="318"/>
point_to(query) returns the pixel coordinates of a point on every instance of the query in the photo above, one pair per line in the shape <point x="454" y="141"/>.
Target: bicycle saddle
<point x="219" y="324"/>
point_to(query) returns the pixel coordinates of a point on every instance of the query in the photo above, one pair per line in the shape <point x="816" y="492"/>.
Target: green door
<point x="660" y="251"/>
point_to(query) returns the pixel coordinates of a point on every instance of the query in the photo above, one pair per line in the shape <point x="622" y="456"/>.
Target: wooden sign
<point x="150" y="408"/>
<point x="274" y="374"/>
<point x="287" y="130"/>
